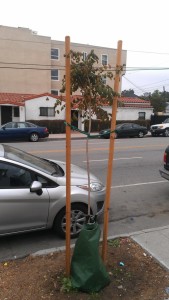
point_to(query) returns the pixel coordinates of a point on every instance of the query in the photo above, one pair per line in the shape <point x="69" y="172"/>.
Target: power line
<point x="77" y="45"/>
<point x="148" y="52"/>
<point x="134" y="84"/>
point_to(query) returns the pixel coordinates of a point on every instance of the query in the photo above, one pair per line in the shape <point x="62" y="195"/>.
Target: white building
<point x="42" y="107"/>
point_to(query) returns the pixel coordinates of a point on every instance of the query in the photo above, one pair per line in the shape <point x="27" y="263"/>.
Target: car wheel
<point x="166" y="132"/>
<point x="34" y="137"/>
<point x="78" y="219"/>
<point x="153" y="134"/>
<point x="140" y="134"/>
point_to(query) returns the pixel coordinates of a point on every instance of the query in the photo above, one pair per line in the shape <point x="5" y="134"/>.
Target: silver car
<point x="33" y="194"/>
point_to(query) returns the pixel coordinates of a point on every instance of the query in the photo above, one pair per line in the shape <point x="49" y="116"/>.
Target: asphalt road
<point x="139" y="196"/>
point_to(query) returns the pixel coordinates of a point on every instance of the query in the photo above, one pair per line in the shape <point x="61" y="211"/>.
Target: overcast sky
<point x="142" y="25"/>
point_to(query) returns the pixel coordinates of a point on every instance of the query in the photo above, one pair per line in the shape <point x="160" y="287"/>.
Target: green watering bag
<point x="87" y="272"/>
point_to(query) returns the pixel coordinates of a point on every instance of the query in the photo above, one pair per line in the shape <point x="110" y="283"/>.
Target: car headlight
<point x="161" y="126"/>
<point x="94" y="186"/>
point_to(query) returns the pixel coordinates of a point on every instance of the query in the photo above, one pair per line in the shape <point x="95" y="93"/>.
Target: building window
<point x="84" y="55"/>
<point x="104" y="79"/>
<point x="16" y="111"/>
<point x="55" y="54"/>
<point x="55" y="92"/>
<point x="47" y="111"/>
<point x="141" y="115"/>
<point x="104" y="59"/>
<point x="55" y="74"/>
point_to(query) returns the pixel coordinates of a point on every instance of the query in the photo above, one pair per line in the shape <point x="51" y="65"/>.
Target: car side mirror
<point x="36" y="187"/>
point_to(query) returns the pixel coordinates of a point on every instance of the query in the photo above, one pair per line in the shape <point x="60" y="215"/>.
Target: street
<point x="139" y="196"/>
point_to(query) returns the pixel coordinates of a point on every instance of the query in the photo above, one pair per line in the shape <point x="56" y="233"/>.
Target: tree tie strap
<point x="91" y="136"/>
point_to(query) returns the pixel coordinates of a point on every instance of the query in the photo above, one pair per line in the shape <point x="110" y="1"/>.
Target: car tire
<point x="34" y="137"/>
<point x="140" y="134"/>
<point x="166" y="132"/>
<point x="79" y="212"/>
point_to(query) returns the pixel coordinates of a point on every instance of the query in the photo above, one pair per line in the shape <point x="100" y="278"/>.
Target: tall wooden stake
<point x="68" y="154"/>
<point x="111" y="152"/>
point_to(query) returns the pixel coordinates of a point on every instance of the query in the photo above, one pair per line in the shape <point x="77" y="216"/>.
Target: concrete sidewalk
<point x="155" y="241"/>
<point x="75" y="135"/>
<point x="62" y="136"/>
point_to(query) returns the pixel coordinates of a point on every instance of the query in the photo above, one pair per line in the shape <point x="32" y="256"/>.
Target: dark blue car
<point x="22" y="131"/>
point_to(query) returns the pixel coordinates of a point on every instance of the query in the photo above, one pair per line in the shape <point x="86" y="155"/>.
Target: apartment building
<point x="34" y="64"/>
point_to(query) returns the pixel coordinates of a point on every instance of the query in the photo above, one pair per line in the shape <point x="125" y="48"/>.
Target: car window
<point x="21" y="125"/>
<point x="135" y="126"/>
<point x="118" y="126"/>
<point x="10" y="125"/>
<point x="32" y="161"/>
<point x="31" y="125"/>
<point x="166" y="121"/>
<point x="12" y="176"/>
<point x="45" y="181"/>
<point x="127" y="126"/>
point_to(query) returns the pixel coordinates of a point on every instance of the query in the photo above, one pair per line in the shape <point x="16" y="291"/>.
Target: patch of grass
<point x="66" y="285"/>
<point x="114" y="243"/>
<point x="94" y="296"/>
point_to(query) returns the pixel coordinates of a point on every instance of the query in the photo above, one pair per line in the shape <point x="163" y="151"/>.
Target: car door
<point x="20" y="209"/>
<point x="22" y="130"/>
<point x="8" y="131"/>
<point x="126" y="130"/>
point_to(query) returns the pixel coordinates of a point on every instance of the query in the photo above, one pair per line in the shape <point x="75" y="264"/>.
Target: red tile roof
<point x="19" y="100"/>
<point x="14" y="98"/>
<point x="133" y="100"/>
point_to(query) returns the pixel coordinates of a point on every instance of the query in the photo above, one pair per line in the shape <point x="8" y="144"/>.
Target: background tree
<point x="158" y="101"/>
<point x="128" y="93"/>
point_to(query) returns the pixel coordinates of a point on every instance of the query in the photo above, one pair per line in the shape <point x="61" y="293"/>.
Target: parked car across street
<point x="160" y="129"/>
<point x="33" y="194"/>
<point x="22" y="131"/>
<point x="164" y="171"/>
<point x="125" y="130"/>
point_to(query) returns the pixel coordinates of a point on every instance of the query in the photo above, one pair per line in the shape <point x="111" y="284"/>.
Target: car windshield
<point x="119" y="125"/>
<point x="166" y="121"/>
<point x="32" y="161"/>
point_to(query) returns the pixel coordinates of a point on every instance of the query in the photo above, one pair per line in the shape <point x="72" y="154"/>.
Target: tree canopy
<point x="88" y="81"/>
<point x="128" y="93"/>
<point x="158" y="101"/>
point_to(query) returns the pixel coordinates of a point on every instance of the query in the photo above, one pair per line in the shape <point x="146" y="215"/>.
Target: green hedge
<point x="54" y="126"/>
<point x="58" y="126"/>
<point x="98" y="125"/>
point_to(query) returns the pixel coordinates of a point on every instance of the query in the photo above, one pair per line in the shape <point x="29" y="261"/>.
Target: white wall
<point x="127" y="114"/>
<point x="32" y="108"/>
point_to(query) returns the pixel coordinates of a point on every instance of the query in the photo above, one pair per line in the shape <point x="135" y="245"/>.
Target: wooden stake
<point x="68" y="154"/>
<point x="111" y="152"/>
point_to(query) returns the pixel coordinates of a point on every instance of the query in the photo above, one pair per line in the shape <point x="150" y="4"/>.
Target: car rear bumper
<point x="164" y="173"/>
<point x="45" y="135"/>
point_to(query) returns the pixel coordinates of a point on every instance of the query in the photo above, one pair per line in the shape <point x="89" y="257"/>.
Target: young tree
<point x="88" y="80"/>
